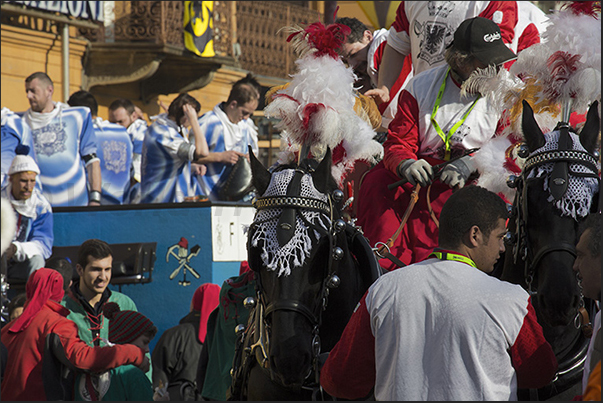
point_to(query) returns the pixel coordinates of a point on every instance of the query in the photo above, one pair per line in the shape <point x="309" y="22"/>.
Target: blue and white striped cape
<point x="61" y="139"/>
<point x="166" y="163"/>
<point x="223" y="135"/>
<point x="136" y="131"/>
<point x="115" y="154"/>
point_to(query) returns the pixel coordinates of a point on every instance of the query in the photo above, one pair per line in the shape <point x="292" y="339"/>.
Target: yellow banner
<point x="381" y="14"/>
<point x="199" y="27"/>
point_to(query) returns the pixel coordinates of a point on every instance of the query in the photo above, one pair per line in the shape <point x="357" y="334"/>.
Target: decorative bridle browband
<point x="570" y="156"/>
<point x="292" y="201"/>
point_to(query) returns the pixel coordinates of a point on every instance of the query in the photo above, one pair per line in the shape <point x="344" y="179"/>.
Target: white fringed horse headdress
<point x="316" y="109"/>
<point x="558" y="76"/>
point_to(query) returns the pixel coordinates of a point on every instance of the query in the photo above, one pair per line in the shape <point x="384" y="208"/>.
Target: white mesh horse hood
<point x="576" y="202"/>
<point x="283" y="258"/>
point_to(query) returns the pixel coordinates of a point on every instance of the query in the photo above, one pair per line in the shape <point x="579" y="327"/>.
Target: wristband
<point x="94" y="196"/>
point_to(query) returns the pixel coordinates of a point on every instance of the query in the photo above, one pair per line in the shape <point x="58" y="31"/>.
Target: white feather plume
<point x="8" y="225"/>
<point x="324" y="84"/>
<point x="489" y="161"/>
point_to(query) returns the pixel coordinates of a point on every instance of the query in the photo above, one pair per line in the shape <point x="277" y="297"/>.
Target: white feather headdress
<point x="316" y="109"/>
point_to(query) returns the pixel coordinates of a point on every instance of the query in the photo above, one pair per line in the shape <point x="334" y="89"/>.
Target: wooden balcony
<point x="145" y="44"/>
<point x="264" y="49"/>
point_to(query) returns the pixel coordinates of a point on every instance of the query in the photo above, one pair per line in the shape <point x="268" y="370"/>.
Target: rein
<point x="382" y="249"/>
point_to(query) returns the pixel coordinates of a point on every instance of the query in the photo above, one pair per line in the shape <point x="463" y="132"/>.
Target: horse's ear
<point x="531" y="131"/>
<point x="322" y="176"/>
<point x="260" y="177"/>
<point x="590" y="131"/>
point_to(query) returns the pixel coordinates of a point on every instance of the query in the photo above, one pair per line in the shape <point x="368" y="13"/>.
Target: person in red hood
<point x="176" y="355"/>
<point x="25" y="338"/>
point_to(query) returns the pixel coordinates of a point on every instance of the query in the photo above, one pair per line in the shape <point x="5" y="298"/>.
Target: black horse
<point x="311" y="269"/>
<point x="557" y="188"/>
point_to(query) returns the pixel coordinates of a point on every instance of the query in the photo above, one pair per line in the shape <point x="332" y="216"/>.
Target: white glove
<point x="419" y="171"/>
<point x="457" y="172"/>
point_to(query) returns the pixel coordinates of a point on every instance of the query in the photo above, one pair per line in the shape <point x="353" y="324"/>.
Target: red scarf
<point x="205" y="300"/>
<point x="42" y="285"/>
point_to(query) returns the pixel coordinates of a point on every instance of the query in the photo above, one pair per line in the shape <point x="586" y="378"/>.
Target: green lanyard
<point x="454" y="257"/>
<point x="446" y="138"/>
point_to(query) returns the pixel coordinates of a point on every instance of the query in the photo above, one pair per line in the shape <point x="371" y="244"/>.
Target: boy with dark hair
<point x="465" y="335"/>
<point x="15" y="306"/>
<point x="89" y="293"/>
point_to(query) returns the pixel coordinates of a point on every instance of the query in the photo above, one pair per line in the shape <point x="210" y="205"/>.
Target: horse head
<point x="557" y="189"/>
<point x="296" y="245"/>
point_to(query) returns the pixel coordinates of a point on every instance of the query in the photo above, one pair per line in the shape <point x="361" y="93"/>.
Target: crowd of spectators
<point x="58" y="154"/>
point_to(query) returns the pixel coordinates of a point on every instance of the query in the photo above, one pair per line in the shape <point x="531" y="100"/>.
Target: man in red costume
<point x="434" y="123"/>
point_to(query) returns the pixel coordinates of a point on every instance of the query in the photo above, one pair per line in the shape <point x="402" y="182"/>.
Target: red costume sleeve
<point x="530" y="36"/>
<point x="400" y="22"/>
<point x="349" y="372"/>
<point x="509" y="17"/>
<point x="531" y="355"/>
<point x="96" y="359"/>
<point x="403" y="133"/>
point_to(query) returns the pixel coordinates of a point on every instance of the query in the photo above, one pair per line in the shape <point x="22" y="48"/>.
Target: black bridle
<point x="558" y="182"/>
<point x="257" y="334"/>
<point x="522" y="248"/>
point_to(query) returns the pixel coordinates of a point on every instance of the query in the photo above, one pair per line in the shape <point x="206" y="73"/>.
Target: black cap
<point x="481" y="38"/>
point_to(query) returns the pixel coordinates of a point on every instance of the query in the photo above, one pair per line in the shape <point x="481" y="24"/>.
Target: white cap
<point x="23" y="163"/>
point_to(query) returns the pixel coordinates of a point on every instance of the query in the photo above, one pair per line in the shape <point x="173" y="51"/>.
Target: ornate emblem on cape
<point x="50" y="139"/>
<point x="114" y="155"/>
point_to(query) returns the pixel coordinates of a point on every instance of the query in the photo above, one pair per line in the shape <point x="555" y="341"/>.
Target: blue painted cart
<point x="196" y="243"/>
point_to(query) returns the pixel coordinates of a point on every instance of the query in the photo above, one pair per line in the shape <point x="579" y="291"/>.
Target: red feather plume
<point x="561" y="66"/>
<point x="591" y="8"/>
<point x="326" y="40"/>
